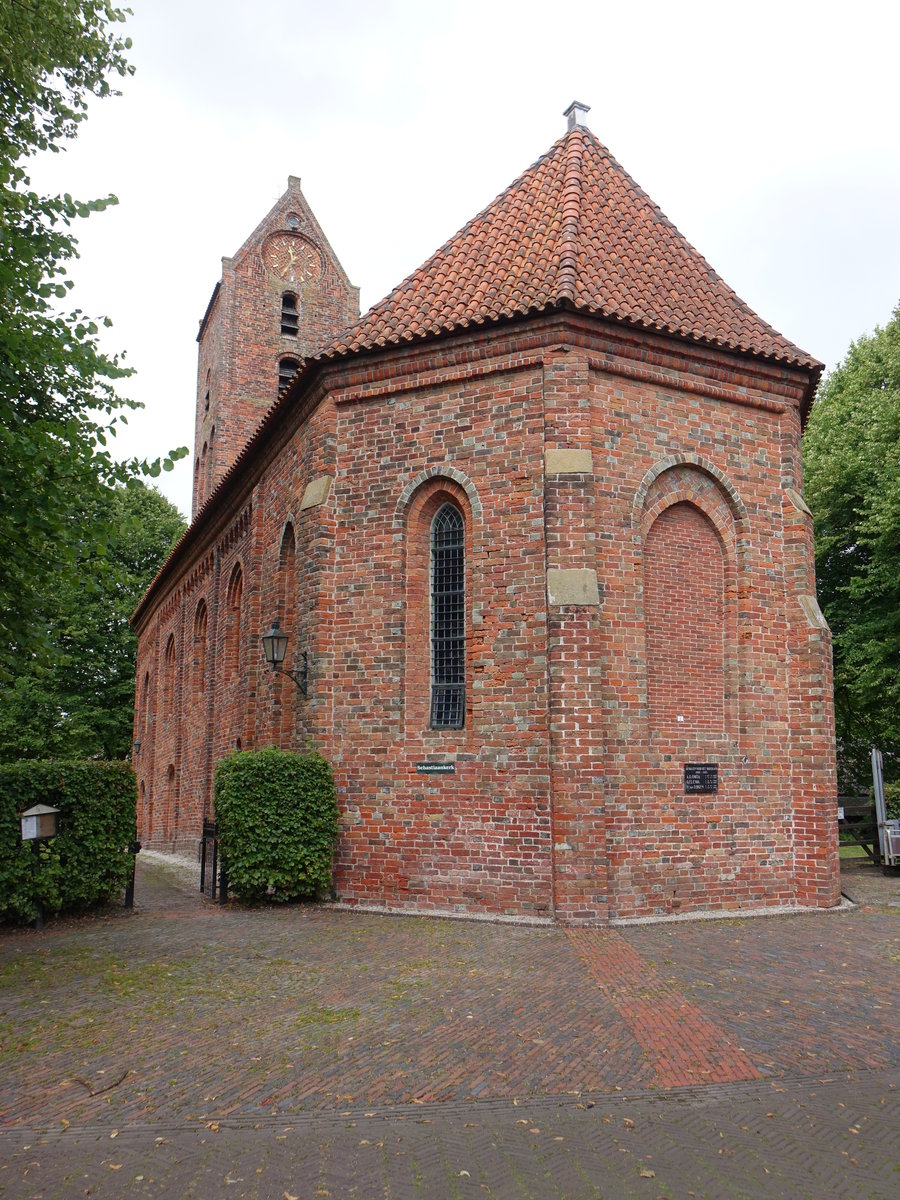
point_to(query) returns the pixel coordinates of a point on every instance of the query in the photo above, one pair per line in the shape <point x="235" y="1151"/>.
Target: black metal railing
<point x="213" y="883"/>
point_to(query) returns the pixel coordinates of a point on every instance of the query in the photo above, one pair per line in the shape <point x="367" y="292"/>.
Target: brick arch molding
<point x="425" y="476"/>
<point x="687" y="459"/>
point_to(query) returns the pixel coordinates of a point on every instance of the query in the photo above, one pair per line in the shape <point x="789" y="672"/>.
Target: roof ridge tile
<point x="571" y="212"/>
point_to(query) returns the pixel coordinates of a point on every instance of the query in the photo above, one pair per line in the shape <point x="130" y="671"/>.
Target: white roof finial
<point x="576" y="113"/>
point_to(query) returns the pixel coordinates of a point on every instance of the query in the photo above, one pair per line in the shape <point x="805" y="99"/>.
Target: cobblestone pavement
<point x="193" y="1050"/>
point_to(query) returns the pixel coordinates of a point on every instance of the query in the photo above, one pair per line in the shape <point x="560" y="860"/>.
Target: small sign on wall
<point x="436" y="768"/>
<point x="701" y="777"/>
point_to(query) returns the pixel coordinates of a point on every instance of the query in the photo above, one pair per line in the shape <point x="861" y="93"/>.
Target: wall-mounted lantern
<point x="137" y="746"/>
<point x="275" y="647"/>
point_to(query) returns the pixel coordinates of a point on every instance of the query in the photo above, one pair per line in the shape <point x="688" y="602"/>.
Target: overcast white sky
<point x="767" y="132"/>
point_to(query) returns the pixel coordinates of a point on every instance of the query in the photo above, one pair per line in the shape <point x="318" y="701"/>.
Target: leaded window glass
<point x="448" y="619"/>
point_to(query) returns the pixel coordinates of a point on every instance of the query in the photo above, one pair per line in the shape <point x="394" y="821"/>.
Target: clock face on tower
<point x="292" y="258"/>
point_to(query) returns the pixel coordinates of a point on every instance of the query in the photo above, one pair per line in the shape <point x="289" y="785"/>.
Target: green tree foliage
<point x="58" y="403"/>
<point x="277" y="818"/>
<point x="852" y="454"/>
<point x="81" y="704"/>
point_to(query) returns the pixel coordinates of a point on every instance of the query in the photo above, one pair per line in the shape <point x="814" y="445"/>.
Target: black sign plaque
<point x="701" y="777"/>
<point x="433" y="768"/>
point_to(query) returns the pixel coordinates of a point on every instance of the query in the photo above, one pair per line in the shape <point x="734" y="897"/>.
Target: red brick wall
<point x="478" y="839"/>
<point x="567" y="796"/>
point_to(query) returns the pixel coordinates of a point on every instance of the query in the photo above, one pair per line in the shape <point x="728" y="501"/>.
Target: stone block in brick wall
<point x="572" y="585"/>
<point x="316" y="492"/>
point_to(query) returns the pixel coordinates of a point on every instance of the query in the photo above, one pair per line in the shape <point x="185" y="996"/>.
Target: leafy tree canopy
<point x="852" y="453"/>
<point x="58" y="403"/>
<point x="81" y="705"/>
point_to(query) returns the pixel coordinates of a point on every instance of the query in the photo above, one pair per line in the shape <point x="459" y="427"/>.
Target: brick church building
<point x="534" y="527"/>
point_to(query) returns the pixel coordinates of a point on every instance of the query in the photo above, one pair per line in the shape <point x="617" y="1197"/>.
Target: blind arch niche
<point x="685" y="623"/>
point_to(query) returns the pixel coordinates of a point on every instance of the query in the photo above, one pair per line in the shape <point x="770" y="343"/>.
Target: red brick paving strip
<point x="683" y="1045"/>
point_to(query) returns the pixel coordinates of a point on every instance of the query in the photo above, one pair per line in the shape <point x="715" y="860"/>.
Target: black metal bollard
<point x="134" y="849"/>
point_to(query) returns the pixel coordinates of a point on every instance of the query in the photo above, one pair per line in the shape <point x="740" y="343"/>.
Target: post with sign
<point x="39" y="824"/>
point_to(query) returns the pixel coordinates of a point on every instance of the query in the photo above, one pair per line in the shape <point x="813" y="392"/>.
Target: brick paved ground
<point x="222" y="1046"/>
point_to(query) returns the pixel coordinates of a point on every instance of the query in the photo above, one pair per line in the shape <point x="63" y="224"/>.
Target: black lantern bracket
<point x="274" y="648"/>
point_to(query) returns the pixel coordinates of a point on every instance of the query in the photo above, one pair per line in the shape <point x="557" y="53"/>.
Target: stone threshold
<point x="738" y="914"/>
<point x="442" y="914"/>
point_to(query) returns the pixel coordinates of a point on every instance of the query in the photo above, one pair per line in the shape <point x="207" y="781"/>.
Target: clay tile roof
<point x="573" y="229"/>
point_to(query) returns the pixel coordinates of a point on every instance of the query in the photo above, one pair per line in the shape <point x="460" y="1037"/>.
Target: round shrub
<point x="277" y="819"/>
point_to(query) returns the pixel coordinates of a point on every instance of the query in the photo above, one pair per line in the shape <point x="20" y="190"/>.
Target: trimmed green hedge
<point x="277" y="820"/>
<point x="90" y="860"/>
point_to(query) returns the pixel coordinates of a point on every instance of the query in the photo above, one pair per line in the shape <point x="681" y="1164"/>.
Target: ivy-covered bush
<point x="91" y="859"/>
<point x="277" y="821"/>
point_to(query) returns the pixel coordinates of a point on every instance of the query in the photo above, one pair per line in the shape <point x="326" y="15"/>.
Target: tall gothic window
<point x="231" y="664"/>
<point x="201" y="621"/>
<point x="290" y="315"/>
<point x="448" y="619"/>
<point x="286" y="726"/>
<point x="169" y="679"/>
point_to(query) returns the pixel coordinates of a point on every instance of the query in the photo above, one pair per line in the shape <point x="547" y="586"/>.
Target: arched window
<point x="200" y="624"/>
<point x="287" y="578"/>
<point x="286" y="369"/>
<point x="290" y="315"/>
<point x="287" y="614"/>
<point x="448" y="619"/>
<point x="288" y="547"/>
<point x="145" y="707"/>
<point x="208" y="385"/>
<point x="170" y="815"/>
<point x="146" y="817"/>
<point x="169" y="678"/>
<point x="232" y="646"/>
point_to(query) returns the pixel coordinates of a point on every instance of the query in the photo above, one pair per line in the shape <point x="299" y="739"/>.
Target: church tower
<point x="282" y="297"/>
